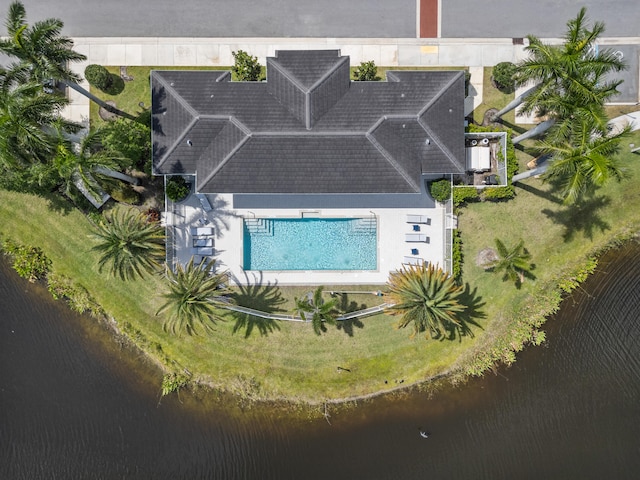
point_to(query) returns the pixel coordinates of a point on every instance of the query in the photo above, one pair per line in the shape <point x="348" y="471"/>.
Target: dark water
<point x="74" y="405"/>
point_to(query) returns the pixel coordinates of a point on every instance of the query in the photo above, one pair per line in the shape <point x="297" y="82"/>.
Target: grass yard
<point x="284" y="360"/>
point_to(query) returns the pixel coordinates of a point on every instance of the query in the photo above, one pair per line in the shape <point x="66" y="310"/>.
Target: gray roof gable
<point x="308" y="128"/>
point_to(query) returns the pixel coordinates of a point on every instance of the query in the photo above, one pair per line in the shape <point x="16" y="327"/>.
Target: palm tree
<point x="314" y="309"/>
<point x="514" y="262"/>
<point x="584" y="162"/>
<point x="43" y="53"/>
<point x="25" y="114"/>
<point x="426" y="297"/>
<point x="128" y="244"/>
<point x="196" y="295"/>
<point x="568" y="76"/>
<point x="86" y="165"/>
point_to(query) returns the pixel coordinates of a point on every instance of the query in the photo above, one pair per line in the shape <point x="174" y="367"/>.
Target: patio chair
<point x="416" y="237"/>
<point x="419" y="219"/>
<point x="413" y="261"/>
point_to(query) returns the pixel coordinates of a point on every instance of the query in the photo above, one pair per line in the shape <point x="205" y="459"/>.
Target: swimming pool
<point x="310" y="244"/>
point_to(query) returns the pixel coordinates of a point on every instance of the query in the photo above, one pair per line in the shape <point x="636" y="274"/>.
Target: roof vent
<point x="427" y="141"/>
<point x="172" y="84"/>
<point x="190" y="143"/>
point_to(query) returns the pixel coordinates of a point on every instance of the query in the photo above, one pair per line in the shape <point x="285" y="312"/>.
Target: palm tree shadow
<point x="347" y="326"/>
<point x="266" y="298"/>
<point x="515" y="128"/>
<point x="468" y="318"/>
<point x="583" y="218"/>
<point x="346" y="306"/>
<point x="538" y="193"/>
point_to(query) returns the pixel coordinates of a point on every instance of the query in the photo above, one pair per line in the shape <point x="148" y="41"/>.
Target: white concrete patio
<point x="227" y="223"/>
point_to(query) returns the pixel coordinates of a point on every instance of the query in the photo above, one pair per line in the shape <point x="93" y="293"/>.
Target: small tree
<point x="513" y="262"/>
<point x="366" y="72"/>
<point x="503" y="77"/>
<point x="131" y="139"/>
<point x="246" y="67"/>
<point x="440" y="190"/>
<point x="98" y="76"/>
<point x="177" y="188"/>
<point x="313" y="308"/>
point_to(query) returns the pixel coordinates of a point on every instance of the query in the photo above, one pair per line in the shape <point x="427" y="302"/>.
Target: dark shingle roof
<point x="308" y="129"/>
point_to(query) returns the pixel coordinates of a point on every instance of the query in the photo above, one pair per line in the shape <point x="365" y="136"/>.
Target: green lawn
<point x="287" y="360"/>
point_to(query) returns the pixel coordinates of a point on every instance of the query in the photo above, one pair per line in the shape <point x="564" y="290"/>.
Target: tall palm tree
<point x="128" y="245"/>
<point x="513" y="262"/>
<point x="195" y="298"/>
<point x="584" y="162"/>
<point x="25" y="115"/>
<point x="426" y="297"/>
<point x="570" y="75"/>
<point x="43" y="53"/>
<point x="314" y="309"/>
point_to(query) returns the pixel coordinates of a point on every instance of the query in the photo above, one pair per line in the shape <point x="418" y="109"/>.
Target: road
<point x="326" y="18"/>
<point x="230" y="18"/>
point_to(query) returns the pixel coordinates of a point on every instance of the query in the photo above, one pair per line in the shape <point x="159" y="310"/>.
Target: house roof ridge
<point x="231" y="153"/>
<point x="177" y="96"/>
<point x="435" y="138"/>
<point x="392" y="161"/>
<point x="440" y="93"/>
<point x="326" y="75"/>
<point x="310" y="133"/>
<point x="175" y="144"/>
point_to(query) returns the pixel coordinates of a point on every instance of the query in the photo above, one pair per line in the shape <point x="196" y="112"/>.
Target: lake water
<point x="73" y="404"/>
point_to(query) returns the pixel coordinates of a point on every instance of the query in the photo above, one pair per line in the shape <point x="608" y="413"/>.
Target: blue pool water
<point x="310" y="244"/>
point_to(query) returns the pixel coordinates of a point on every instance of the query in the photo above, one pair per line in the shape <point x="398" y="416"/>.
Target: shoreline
<point x="459" y="374"/>
<point x="227" y="363"/>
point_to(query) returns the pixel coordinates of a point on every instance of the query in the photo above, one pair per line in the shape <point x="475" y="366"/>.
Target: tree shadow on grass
<point x="469" y="317"/>
<point x="538" y="193"/>
<point x="347" y="326"/>
<point x="512" y="126"/>
<point x="266" y="298"/>
<point x="346" y="305"/>
<point x="581" y="218"/>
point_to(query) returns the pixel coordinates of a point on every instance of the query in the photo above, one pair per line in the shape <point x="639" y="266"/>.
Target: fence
<point x="295" y="318"/>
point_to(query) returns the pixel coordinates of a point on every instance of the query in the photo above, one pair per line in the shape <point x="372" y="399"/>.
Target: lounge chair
<point x="416" y="237"/>
<point x="413" y="261"/>
<point x="203" y="242"/>
<point x="201" y="231"/>
<point x="419" y="219"/>
<point x="205" y="251"/>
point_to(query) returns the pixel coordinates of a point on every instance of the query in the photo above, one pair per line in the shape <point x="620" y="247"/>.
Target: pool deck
<point x="227" y="223"/>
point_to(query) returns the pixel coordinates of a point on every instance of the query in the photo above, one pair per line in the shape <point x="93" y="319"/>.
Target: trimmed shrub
<point x="366" y="72"/>
<point x="246" y="67"/>
<point x="462" y="195"/>
<point x="440" y="190"/>
<point x="98" y="76"/>
<point x="457" y="257"/>
<point x="499" y="193"/>
<point x="177" y="188"/>
<point x="503" y="77"/>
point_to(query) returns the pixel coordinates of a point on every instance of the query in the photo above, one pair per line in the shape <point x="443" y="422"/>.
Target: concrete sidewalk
<point x="169" y="52"/>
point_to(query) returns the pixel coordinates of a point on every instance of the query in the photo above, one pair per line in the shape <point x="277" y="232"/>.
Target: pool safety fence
<point x="294" y="318"/>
